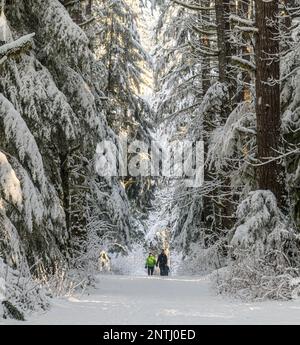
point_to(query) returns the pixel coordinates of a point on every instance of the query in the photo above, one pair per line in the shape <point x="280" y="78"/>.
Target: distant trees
<point x="124" y="58"/>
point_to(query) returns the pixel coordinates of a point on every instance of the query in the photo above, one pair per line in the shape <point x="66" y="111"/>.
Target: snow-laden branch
<point x="12" y="48"/>
<point x="244" y="63"/>
<point x="237" y="19"/>
<point x="273" y="159"/>
<point x="204" y="50"/>
<point x="88" y="21"/>
<point x="71" y="3"/>
<point x="204" y="32"/>
<point x="192" y="6"/>
<point x="245" y="28"/>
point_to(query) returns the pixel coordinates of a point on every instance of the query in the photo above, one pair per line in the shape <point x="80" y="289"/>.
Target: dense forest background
<point x="75" y="73"/>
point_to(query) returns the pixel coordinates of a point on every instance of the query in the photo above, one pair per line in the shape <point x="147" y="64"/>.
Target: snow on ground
<point x="162" y="300"/>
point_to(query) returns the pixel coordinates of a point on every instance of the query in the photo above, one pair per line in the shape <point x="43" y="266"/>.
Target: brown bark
<point x="222" y="19"/>
<point x="268" y="96"/>
<point x="224" y="206"/>
<point x="205" y="60"/>
<point x="288" y="18"/>
<point x="225" y="50"/>
<point x="244" y="94"/>
<point x="65" y="183"/>
<point x="89" y="7"/>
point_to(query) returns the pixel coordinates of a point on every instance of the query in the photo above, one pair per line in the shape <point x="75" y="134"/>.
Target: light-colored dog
<point x="104" y="262"/>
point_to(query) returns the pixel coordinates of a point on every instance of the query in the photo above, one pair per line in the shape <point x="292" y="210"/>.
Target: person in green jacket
<point x="150" y="264"/>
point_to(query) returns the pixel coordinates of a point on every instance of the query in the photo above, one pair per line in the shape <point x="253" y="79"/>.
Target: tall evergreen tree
<point x="268" y="97"/>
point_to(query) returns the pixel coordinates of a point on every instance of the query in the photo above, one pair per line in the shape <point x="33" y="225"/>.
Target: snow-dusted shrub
<point x="264" y="261"/>
<point x="229" y="140"/>
<point x="20" y="293"/>
<point x="202" y="260"/>
<point x="60" y="280"/>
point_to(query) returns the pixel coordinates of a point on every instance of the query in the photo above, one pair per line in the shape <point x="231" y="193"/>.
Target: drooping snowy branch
<point x="16" y="47"/>
<point x="246" y="64"/>
<point x="192" y="6"/>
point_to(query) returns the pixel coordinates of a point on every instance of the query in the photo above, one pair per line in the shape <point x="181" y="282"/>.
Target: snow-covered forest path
<point x="167" y="300"/>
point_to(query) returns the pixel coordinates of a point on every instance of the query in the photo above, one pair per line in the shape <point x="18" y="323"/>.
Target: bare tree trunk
<point x="244" y="93"/>
<point x="288" y="18"/>
<point x="268" y="95"/>
<point x="222" y="19"/>
<point x="224" y="205"/>
<point x="89" y="7"/>
<point x="205" y="60"/>
<point x="225" y="52"/>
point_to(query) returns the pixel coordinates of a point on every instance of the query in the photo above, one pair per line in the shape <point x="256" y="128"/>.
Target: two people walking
<point x="162" y="262"/>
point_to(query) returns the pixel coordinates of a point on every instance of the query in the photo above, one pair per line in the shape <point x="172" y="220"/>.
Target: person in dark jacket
<point x="162" y="262"/>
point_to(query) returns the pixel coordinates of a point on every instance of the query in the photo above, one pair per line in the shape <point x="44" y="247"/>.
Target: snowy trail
<point x="168" y="300"/>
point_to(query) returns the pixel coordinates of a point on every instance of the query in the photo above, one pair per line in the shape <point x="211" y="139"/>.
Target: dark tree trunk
<point x="244" y="93"/>
<point x="224" y="206"/>
<point x="89" y="7"/>
<point x="65" y="183"/>
<point x="222" y="19"/>
<point x="268" y="96"/>
<point x="205" y="60"/>
<point x="225" y="53"/>
<point x="288" y="4"/>
<point x="110" y="56"/>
